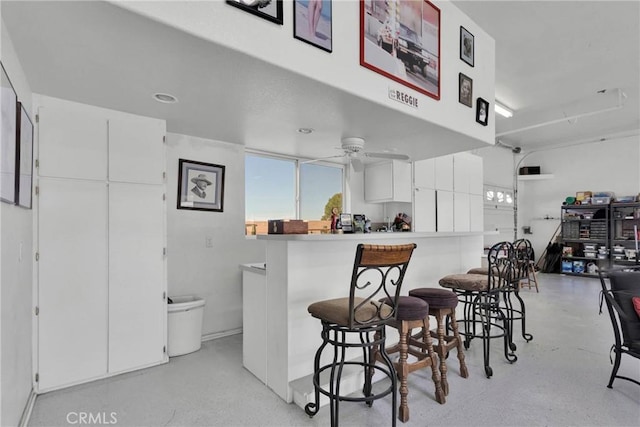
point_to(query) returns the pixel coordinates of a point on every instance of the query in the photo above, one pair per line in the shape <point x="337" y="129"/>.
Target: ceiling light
<point x="165" y="98"/>
<point x="305" y="131"/>
<point x="503" y="111"/>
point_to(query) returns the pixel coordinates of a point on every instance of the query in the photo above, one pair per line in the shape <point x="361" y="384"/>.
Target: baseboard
<point x="217" y="335"/>
<point x="26" y="414"/>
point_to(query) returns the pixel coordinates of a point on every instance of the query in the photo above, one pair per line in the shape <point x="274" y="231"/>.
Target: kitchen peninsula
<point x="304" y="268"/>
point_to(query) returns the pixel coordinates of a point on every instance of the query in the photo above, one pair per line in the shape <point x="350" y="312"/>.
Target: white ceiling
<point x="551" y="59"/>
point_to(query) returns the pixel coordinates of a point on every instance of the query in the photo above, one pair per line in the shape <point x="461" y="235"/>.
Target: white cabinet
<point x="387" y="182"/>
<point x="424" y="205"/>
<point x="254" y="321"/>
<point x="444" y="173"/>
<point x="448" y="193"/>
<point x="101" y="238"/>
<point x="444" y="209"/>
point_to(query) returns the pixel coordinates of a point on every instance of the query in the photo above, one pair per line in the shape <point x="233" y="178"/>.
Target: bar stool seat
<point x="412" y="313"/>
<point x="443" y="303"/>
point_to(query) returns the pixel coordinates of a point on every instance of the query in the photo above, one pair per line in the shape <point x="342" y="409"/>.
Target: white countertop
<point x="370" y="236"/>
<point x="258" y="267"/>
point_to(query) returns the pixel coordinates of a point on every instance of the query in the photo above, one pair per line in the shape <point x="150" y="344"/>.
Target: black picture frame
<point x="482" y="111"/>
<point x="465" y="90"/>
<point x="9" y="114"/>
<point x="467" y="46"/>
<point x="271" y="10"/>
<point x="200" y="186"/>
<point x="24" y="159"/>
<point x="323" y="38"/>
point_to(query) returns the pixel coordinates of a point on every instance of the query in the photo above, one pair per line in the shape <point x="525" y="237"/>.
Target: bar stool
<point x="412" y="313"/>
<point x="443" y="303"/>
<point x="481" y="296"/>
<point x="349" y="323"/>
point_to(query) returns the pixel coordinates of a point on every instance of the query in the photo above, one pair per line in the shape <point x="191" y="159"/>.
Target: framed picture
<point x="401" y="41"/>
<point x="482" y="111"/>
<point x="312" y="23"/>
<point x="466" y="46"/>
<point x="271" y="10"/>
<point x="8" y="133"/>
<point x="200" y="186"/>
<point x="24" y="159"/>
<point x="465" y="90"/>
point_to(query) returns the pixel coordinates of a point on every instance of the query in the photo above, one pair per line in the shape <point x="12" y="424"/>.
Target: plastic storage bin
<point x="185" y="325"/>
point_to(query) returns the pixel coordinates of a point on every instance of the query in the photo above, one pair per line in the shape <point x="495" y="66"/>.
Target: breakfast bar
<point x="303" y="268"/>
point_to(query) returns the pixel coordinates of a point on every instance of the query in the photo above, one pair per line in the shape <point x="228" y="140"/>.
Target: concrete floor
<point x="559" y="380"/>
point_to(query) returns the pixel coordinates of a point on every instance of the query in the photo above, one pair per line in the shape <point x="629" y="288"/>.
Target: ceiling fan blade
<point x="392" y="156"/>
<point x="321" y="159"/>
<point x="357" y="164"/>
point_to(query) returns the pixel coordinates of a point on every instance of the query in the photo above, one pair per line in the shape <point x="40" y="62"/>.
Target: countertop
<point x="371" y="236"/>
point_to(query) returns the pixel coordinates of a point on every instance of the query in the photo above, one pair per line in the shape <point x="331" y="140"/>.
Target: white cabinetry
<point x="448" y="193"/>
<point x="387" y="182"/>
<point x="101" y="238"/>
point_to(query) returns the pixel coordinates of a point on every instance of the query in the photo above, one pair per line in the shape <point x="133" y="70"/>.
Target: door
<point x="72" y="284"/>
<point x="137" y="307"/>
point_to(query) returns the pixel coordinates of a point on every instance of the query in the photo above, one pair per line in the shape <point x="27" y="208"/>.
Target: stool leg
<point x="403" y="372"/>
<point x="442" y="352"/>
<point x="464" y="373"/>
<point x="535" y="276"/>
<point x="435" y="374"/>
<point x="312" y="408"/>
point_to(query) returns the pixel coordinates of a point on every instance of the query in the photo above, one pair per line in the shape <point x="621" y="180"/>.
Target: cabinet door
<point x="461" y="172"/>
<point x="378" y="182"/>
<point x="476" y="213"/>
<point x="72" y="142"/>
<point x="136" y="150"/>
<point x="444" y="204"/>
<point x="461" y="221"/>
<point x="424" y="173"/>
<point x="444" y="173"/>
<point x="254" y="324"/>
<point x="424" y="216"/>
<point x="137" y="310"/>
<point x="476" y="175"/>
<point x="72" y="282"/>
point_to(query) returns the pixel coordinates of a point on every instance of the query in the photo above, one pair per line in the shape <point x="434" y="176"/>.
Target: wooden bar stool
<point x="443" y="303"/>
<point x="412" y="313"/>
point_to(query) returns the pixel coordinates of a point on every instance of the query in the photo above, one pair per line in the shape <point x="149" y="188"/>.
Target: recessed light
<point x="305" y="131"/>
<point x="165" y="98"/>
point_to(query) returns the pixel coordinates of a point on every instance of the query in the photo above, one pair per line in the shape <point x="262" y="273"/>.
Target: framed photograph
<point x="24" y="159"/>
<point x="8" y="134"/>
<point x="465" y="90"/>
<point x="466" y="46"/>
<point x="271" y="10"/>
<point x="312" y="23"/>
<point x="401" y="41"/>
<point x="482" y="111"/>
<point x="200" y="186"/>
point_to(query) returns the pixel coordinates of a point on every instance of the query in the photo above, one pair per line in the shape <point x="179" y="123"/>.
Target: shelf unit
<point x="585" y="234"/>
<point x="625" y="226"/>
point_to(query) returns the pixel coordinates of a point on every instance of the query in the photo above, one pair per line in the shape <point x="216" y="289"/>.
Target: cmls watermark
<point x="92" y="418"/>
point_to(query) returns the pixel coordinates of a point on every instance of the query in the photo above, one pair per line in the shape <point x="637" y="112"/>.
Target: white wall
<point x="16" y="255"/>
<point x="341" y="68"/>
<point x="193" y="269"/>
<point x="602" y="166"/>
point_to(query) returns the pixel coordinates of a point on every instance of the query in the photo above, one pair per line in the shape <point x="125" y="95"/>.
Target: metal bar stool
<point x="349" y="324"/>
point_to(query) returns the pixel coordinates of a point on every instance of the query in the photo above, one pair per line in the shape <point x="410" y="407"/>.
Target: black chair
<point x="352" y="323"/>
<point x="481" y="295"/>
<point x="522" y="251"/>
<point x="625" y="284"/>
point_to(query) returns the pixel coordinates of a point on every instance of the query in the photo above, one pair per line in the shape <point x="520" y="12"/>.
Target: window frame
<point x="298" y="161"/>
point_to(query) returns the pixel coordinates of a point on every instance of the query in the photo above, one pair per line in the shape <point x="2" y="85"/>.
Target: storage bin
<point x="567" y="266"/>
<point x="184" y="325"/>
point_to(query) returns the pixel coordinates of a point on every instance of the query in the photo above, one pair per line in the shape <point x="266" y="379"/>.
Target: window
<point x="284" y="188"/>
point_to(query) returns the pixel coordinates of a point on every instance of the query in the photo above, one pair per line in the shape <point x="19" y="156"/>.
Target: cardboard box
<point x="288" y="226"/>
<point x="530" y="170"/>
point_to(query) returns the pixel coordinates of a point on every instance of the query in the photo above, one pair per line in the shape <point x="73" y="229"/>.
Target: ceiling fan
<point x="353" y="147"/>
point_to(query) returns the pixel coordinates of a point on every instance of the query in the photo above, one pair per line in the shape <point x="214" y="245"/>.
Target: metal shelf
<point x="583" y="258"/>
